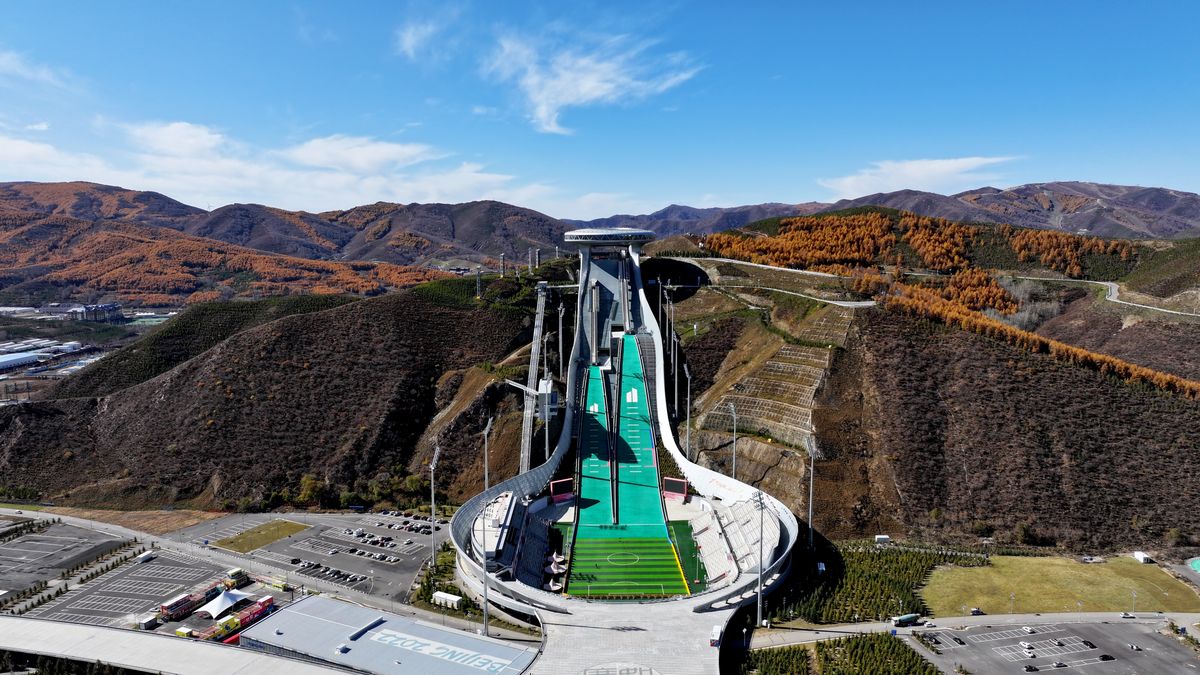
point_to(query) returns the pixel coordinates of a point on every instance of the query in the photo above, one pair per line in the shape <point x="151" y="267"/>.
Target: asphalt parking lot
<point x="988" y="650"/>
<point x="42" y="557"/>
<point x="133" y="590"/>
<point x="326" y="534"/>
<point x="386" y="578"/>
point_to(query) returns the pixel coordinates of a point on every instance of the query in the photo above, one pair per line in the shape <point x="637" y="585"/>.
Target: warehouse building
<point x="13" y="361"/>
<point x="325" y="630"/>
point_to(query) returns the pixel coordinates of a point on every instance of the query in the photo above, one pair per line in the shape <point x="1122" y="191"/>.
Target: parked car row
<point x="377" y="556"/>
<point x="316" y="569"/>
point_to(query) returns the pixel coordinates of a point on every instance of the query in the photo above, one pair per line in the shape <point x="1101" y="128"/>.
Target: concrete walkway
<point x="666" y="638"/>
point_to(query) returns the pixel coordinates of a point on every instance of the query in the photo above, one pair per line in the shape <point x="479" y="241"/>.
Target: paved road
<point x="1113" y="294"/>
<point x="766" y="267"/>
<point x="839" y="303"/>
<point x="262" y="566"/>
<point x="794" y="636"/>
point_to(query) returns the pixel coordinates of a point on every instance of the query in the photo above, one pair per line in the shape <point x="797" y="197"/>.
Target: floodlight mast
<point x="762" y="507"/>
<point x="733" y="410"/>
<point x="687" y="452"/>
<point x="561" y="309"/>
<point x="437" y="451"/>
<point x="486" y="484"/>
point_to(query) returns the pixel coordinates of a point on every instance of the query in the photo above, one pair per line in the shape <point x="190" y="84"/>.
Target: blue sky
<point x="584" y="110"/>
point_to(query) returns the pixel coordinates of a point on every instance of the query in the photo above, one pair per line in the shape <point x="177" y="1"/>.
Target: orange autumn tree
<point x="829" y="243"/>
<point x="942" y="244"/>
<point x="1061" y="251"/>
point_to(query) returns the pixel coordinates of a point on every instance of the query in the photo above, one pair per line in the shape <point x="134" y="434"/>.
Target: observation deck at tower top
<point x="608" y="236"/>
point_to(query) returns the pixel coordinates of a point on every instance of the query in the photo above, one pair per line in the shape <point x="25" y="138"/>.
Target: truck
<point x="714" y="637"/>
<point x="179" y="606"/>
<point x="236" y="578"/>
<point x="145" y="556"/>
<point x="905" y="620"/>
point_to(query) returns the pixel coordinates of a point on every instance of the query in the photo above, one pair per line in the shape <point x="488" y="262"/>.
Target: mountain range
<point x="49" y="228"/>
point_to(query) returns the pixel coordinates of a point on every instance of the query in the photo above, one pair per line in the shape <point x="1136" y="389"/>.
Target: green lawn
<point x="1056" y="585"/>
<point x="21" y="507"/>
<point x="689" y="558"/>
<point x="257" y="537"/>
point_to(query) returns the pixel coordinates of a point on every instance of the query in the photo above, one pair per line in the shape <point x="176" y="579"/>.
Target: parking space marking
<point x="152" y="589"/>
<point x="115" y="604"/>
<point x="315" y="545"/>
<point x="273" y="556"/>
<point x="409" y="549"/>
<point x="224" y="533"/>
<point x="169" y="572"/>
<point x="1016" y="633"/>
<point x="944" y="642"/>
<point x="85" y="618"/>
<point x="341" y="536"/>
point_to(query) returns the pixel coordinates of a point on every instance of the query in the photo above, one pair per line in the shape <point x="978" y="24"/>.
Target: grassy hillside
<point x="298" y="409"/>
<point x="1165" y="272"/>
<point x="187" y="335"/>
<point x="12" y="328"/>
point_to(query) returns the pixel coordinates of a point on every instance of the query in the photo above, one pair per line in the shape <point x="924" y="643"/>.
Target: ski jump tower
<point x="615" y="424"/>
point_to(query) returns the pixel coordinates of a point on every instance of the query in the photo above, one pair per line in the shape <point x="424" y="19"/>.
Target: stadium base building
<point x="618" y="520"/>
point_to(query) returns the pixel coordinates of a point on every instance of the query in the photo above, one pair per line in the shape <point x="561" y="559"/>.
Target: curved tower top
<point x="608" y="236"/>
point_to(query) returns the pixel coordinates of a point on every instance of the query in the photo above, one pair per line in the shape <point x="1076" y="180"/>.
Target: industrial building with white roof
<point x="329" y="631"/>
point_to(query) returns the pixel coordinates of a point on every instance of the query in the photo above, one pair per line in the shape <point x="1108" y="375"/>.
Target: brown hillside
<point x="472" y="231"/>
<point x="342" y="394"/>
<point x="1144" y="339"/>
<point x="91" y="201"/>
<point x="293" y="233"/>
<point x="983" y="436"/>
<point x="131" y="262"/>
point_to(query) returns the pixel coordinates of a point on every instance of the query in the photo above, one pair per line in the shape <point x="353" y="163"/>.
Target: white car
<point x="1028" y="630"/>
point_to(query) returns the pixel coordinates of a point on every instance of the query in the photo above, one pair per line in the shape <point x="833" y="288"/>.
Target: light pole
<point x="486" y="431"/>
<point x="662" y="299"/>
<point x="812" y="476"/>
<point x="561" y="358"/>
<point x="734" y="411"/>
<point x="675" y="376"/>
<point x="762" y="507"/>
<point x="675" y="342"/>
<point x="688" y="429"/>
<point x="437" y="451"/>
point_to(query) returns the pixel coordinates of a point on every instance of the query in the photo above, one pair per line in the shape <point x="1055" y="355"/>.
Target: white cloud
<point x="38" y="126"/>
<point x="933" y="175"/>
<point x="359" y="154"/>
<point x="483" y="110"/>
<point x="412" y="37"/>
<point x="14" y="66"/>
<point x="614" y="70"/>
<point x="415" y="39"/>
<point x="196" y="165"/>
<point x="177" y="139"/>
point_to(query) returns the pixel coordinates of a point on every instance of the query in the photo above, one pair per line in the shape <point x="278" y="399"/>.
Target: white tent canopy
<point x="220" y="604"/>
